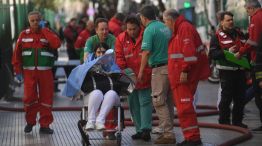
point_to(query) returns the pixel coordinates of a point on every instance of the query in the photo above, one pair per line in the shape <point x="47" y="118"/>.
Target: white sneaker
<point x="157" y="130"/>
<point x="90" y="126"/>
<point x="100" y="126"/>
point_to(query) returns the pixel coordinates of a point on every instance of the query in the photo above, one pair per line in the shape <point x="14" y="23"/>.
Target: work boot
<point x="257" y="129"/>
<point x="240" y="125"/>
<point x="190" y="143"/>
<point x="46" y="130"/>
<point x="28" y="128"/>
<point x="165" y="140"/>
<point x="225" y="122"/>
<point x="146" y="135"/>
<point x="157" y="130"/>
<point x="137" y="135"/>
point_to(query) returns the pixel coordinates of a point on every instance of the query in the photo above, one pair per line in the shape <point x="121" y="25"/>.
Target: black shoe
<point x="146" y="135"/>
<point x="257" y="129"/>
<point x="190" y="143"/>
<point x="225" y="122"/>
<point x="28" y="128"/>
<point x="57" y="89"/>
<point x="137" y="135"/>
<point x="240" y="125"/>
<point x="46" y="130"/>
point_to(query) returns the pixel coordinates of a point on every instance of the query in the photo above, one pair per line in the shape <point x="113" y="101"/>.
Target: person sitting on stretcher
<point x="96" y="98"/>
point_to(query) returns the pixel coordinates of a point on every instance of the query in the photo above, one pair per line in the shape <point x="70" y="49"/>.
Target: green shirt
<point x="155" y="39"/>
<point x="94" y="40"/>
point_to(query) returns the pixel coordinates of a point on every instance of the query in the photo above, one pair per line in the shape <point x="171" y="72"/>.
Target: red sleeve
<point x="53" y="39"/>
<point x="254" y="31"/>
<point x="81" y="40"/>
<point x="120" y="57"/>
<point x="188" y="46"/>
<point x="17" y="55"/>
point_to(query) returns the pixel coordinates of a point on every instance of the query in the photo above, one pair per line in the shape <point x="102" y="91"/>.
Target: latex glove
<point x="19" y="77"/>
<point x="237" y="55"/>
<point x="232" y="49"/>
<point x="42" y="24"/>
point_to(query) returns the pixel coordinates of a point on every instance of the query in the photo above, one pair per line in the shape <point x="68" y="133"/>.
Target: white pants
<point x="96" y="98"/>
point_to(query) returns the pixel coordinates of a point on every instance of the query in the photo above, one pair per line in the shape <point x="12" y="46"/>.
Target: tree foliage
<point x="48" y="4"/>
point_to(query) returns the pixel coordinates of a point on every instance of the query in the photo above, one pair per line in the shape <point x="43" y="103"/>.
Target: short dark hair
<point x="72" y="19"/>
<point x="132" y="19"/>
<point x="101" y="45"/>
<point x="120" y="16"/>
<point x="148" y="11"/>
<point x="223" y="14"/>
<point x="34" y="13"/>
<point x="99" y="20"/>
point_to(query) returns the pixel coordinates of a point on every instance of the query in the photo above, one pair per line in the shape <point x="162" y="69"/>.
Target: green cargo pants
<point x="140" y="105"/>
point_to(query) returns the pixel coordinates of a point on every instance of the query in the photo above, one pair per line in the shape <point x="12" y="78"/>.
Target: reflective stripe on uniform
<point x="44" y="67"/>
<point x="26" y="53"/>
<point x="189" y="128"/>
<point x="30" y="104"/>
<point x="176" y="56"/>
<point x="47" y="54"/>
<point x="228" y="67"/>
<point x="192" y="58"/>
<point x="46" y="105"/>
<point x="227" y="42"/>
<point x="44" y="40"/>
<point x="258" y="75"/>
<point x="186" y="59"/>
<point x="27" y="40"/>
<point x="252" y="43"/>
<point x="38" y="67"/>
<point x="29" y="67"/>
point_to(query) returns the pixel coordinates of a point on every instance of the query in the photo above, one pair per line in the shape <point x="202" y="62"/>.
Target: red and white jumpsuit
<point x="185" y="53"/>
<point x="128" y="55"/>
<point x="33" y="58"/>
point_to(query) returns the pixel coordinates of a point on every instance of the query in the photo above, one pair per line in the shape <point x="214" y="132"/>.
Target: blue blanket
<point x="77" y="76"/>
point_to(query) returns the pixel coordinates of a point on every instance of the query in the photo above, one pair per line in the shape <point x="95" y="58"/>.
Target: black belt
<point x="158" y="65"/>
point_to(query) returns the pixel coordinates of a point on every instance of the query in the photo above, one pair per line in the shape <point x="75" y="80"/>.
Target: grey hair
<point x="34" y="13"/>
<point x="171" y="14"/>
<point x="253" y="4"/>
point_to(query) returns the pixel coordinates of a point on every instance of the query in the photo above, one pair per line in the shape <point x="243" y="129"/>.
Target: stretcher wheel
<point x="85" y="137"/>
<point x="118" y="138"/>
<point x="83" y="143"/>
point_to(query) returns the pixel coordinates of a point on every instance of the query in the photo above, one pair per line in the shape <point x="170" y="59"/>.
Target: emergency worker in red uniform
<point x="33" y="60"/>
<point x="115" y="24"/>
<point x="232" y="76"/>
<point x="187" y="64"/>
<point x="253" y="8"/>
<point x="128" y="58"/>
<point x="82" y="37"/>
